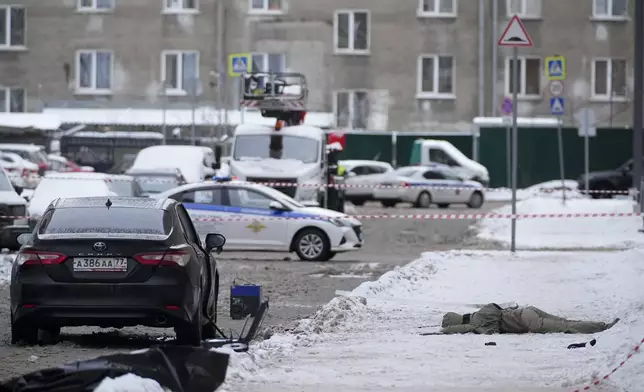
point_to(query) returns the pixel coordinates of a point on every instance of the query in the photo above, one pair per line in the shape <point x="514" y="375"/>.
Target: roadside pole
<point x="515" y="36"/>
<point x="556" y="74"/>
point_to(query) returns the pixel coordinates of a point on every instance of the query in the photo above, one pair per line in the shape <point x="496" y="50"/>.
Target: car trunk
<point x="86" y="265"/>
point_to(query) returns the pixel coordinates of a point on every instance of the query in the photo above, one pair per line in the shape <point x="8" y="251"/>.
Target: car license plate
<point x="100" y="264"/>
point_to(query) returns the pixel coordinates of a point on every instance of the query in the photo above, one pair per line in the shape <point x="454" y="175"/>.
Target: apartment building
<point x="375" y="64"/>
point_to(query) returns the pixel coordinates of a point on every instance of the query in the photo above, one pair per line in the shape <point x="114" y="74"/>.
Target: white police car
<point x="425" y="185"/>
<point x="248" y="215"/>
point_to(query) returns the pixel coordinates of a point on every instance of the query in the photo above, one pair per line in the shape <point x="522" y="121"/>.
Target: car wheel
<point x="49" y="335"/>
<point x="424" y="200"/>
<point x="388" y="203"/>
<point x="443" y="205"/>
<point x="312" y="245"/>
<point x="189" y="333"/>
<point x="358" y="202"/>
<point x="23" y="333"/>
<point x="330" y="255"/>
<point x="476" y="200"/>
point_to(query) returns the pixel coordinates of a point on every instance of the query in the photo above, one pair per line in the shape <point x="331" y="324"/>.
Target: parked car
<point x="361" y="179"/>
<point x="430" y="151"/>
<point x="13" y="210"/>
<point x="153" y="181"/>
<point x="55" y="185"/>
<point x="609" y="181"/>
<point x="59" y="163"/>
<point x="30" y="152"/>
<point x="423" y="186"/>
<point x="22" y="173"/>
<point x="197" y="163"/>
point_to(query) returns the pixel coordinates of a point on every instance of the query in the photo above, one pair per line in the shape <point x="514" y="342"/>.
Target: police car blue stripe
<point x="250" y="211"/>
<point x="429" y="185"/>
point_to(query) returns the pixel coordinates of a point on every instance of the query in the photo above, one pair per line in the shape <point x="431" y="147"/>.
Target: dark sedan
<point x="608" y="183"/>
<point x="115" y="262"/>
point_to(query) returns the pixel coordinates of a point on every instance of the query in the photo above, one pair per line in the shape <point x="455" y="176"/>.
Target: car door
<point x="353" y="180"/>
<point x="205" y="206"/>
<point x="258" y="226"/>
<point x="208" y="262"/>
<point x="438" y="186"/>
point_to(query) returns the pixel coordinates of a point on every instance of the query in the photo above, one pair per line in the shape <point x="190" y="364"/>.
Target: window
<point x="303" y="149"/>
<point x="609" y="79"/>
<point x="351" y="32"/>
<point x="188" y="227"/>
<point x="181" y="71"/>
<point x="352" y="109"/>
<point x="247" y="198"/>
<point x="432" y="175"/>
<point x="268" y="62"/>
<point x="94" y="71"/>
<point x="12" y="27"/>
<point x="203" y="196"/>
<point x="529" y="77"/>
<point x="12" y="100"/>
<point x="610" y="9"/>
<point x="95" y="5"/>
<point x="266" y="6"/>
<point x="116" y="220"/>
<point x="174" y="6"/>
<point x="524" y="8"/>
<point x="437" y="8"/>
<point x="435" y="76"/>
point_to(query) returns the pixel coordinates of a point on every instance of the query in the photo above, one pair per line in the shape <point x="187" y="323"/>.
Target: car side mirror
<point x="23" y="238"/>
<point x="276" y="205"/>
<point x="215" y="241"/>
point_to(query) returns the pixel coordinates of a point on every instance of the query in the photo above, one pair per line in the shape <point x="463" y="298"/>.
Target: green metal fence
<point x="538" y="154"/>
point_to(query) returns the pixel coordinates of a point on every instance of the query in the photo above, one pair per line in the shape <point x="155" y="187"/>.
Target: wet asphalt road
<point x="295" y="288"/>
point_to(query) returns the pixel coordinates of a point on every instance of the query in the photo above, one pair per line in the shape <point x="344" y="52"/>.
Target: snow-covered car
<point x="153" y="181"/>
<point x="258" y="218"/>
<point x="361" y="179"/>
<point x="58" y="163"/>
<point x="30" y="152"/>
<point x="426" y="185"/>
<point x="80" y="184"/>
<point x="22" y="173"/>
<point x="196" y="163"/>
<point x="13" y="211"/>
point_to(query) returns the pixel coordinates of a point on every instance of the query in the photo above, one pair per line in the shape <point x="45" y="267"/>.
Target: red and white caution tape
<point x="360" y="186"/>
<point x="414" y="216"/>
<point x="600" y="380"/>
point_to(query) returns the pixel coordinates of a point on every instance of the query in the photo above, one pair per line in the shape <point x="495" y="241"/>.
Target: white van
<point x="299" y="161"/>
<point x="428" y="151"/>
<point x="196" y="163"/>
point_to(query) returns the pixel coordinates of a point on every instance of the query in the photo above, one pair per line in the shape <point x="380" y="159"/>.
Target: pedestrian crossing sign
<point x="557" y="106"/>
<point x="238" y="64"/>
<point x="556" y="68"/>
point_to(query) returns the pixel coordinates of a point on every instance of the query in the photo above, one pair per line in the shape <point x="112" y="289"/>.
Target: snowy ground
<point x="349" y="346"/>
<point x="550" y="189"/>
<point x="566" y="233"/>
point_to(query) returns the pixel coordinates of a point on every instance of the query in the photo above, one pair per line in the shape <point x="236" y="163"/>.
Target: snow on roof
<point x="172" y="117"/>
<point x="43" y="121"/>
<point x="120" y="134"/>
<point x="21" y="147"/>
<point x="521" y="121"/>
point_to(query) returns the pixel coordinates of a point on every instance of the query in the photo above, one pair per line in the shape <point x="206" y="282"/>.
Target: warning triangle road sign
<point x="515" y="34"/>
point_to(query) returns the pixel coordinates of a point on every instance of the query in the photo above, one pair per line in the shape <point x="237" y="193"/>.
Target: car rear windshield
<point x="156" y="183"/>
<point x="114" y="220"/>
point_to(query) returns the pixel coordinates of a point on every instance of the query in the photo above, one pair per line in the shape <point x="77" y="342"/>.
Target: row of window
<point x="173" y="6"/>
<point x="352" y="27"/>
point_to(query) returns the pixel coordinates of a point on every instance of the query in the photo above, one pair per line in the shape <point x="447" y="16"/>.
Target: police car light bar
<point x="274" y="91"/>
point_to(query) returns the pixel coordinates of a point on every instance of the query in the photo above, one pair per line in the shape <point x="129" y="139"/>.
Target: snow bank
<point x="566" y="233"/>
<point x="6" y="262"/>
<point x="549" y="189"/>
<point x="377" y="346"/>
<point x="129" y="383"/>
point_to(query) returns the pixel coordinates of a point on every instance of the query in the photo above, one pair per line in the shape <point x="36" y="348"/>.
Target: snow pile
<point x="129" y="383"/>
<point x="550" y="189"/>
<point x="6" y="263"/>
<point x="378" y="347"/>
<point x="334" y="316"/>
<point x="566" y="233"/>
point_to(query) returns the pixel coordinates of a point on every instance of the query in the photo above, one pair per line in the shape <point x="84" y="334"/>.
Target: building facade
<point x="375" y="64"/>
